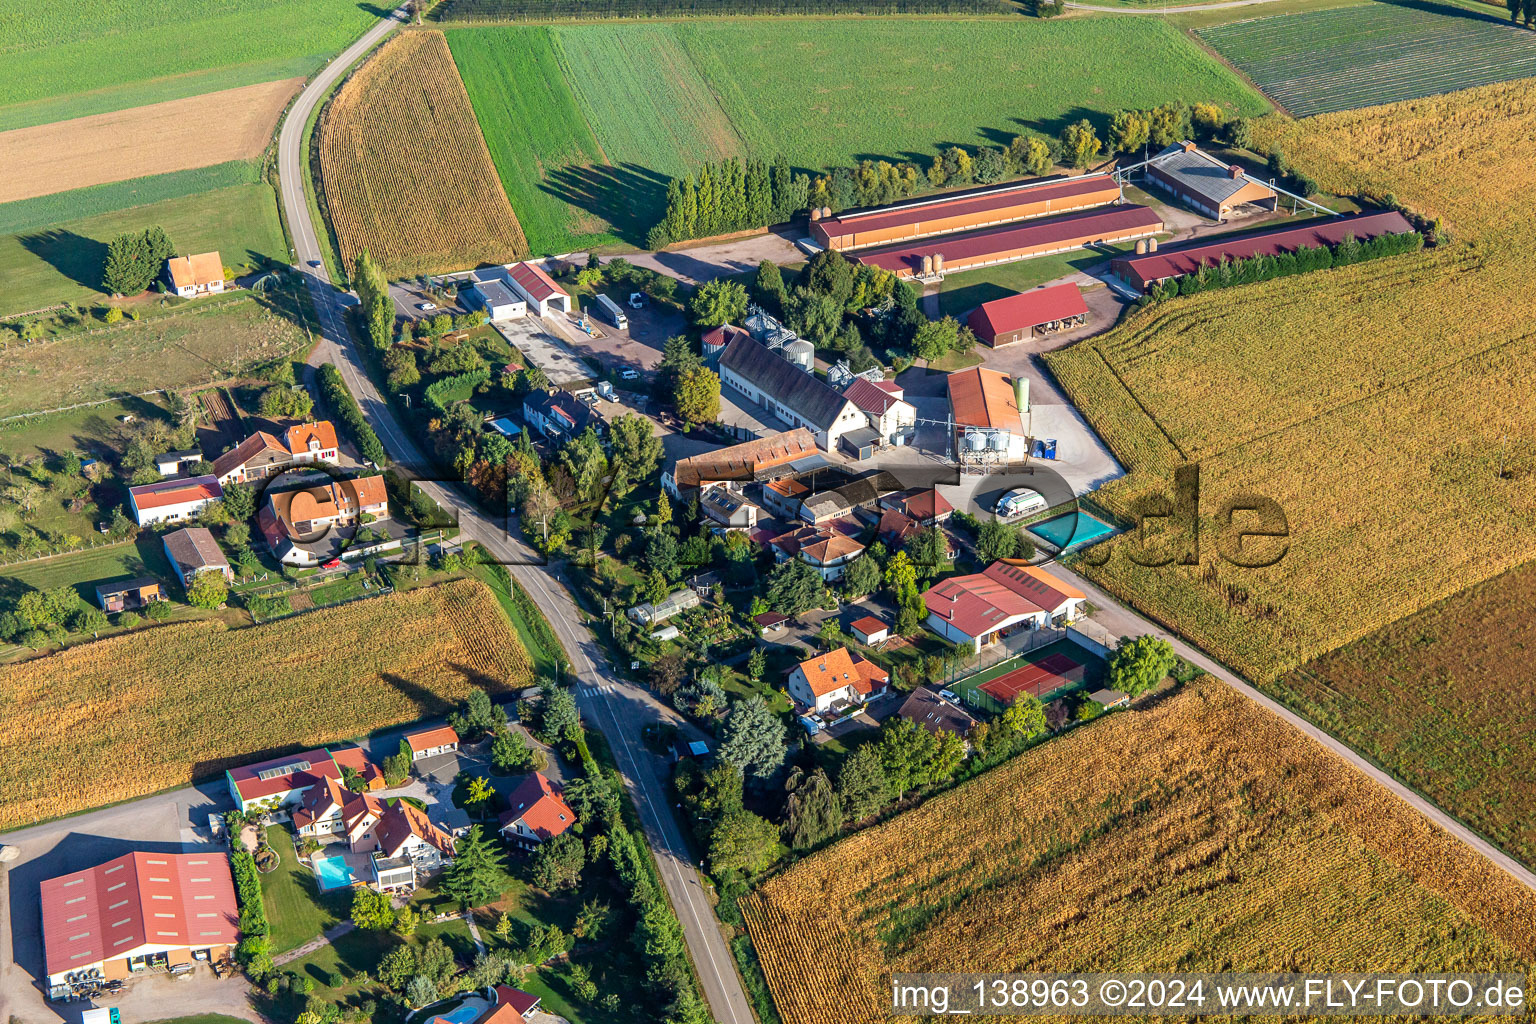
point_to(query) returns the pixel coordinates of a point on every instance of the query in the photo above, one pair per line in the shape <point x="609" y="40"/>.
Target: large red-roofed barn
<point x="136" y="911"/>
<point x="964" y="211"/>
<point x="1020" y="317"/>
<point x="1141" y="272"/>
<point x="979" y="609"/>
<point x="984" y="248"/>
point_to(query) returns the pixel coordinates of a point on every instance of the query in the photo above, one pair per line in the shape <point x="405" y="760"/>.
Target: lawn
<point x="28" y="214"/>
<point x="1200" y="833"/>
<point x="210" y="339"/>
<point x="586" y="123"/>
<point x="1443" y="699"/>
<point x="84" y="569"/>
<point x="296" y="909"/>
<point x="961" y="293"/>
<point x="44" y="266"/>
<point x="1374" y="53"/>
<point x="114" y="54"/>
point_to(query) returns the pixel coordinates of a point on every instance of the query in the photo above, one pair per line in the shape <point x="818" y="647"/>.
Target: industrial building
<point x="766" y="458"/>
<point x="539" y="289"/>
<point x="495" y="295"/>
<point x="796" y="396"/>
<point x="952" y="253"/>
<point x="1141" y="272"/>
<point x="1057" y="307"/>
<point x="986" y="411"/>
<point x="1204" y="183"/>
<point x="978" y="610"/>
<point x="963" y="211"/>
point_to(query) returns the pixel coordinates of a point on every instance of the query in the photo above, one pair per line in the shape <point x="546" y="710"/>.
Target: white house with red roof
<point x="262" y="455"/>
<point x="890" y="415"/>
<point x="979" y="609"/>
<point x="282" y="781"/>
<point x="432" y="742"/>
<point x="536" y="812"/>
<point x="536" y="286"/>
<point x="512" y="1006"/>
<point x="138" y="911"/>
<point x="924" y="505"/>
<point x="836" y="678"/>
<point x="173" y="501"/>
<point x="313" y="442"/>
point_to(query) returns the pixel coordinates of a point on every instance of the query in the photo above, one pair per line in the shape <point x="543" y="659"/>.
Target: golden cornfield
<point x="1375" y="403"/>
<point x="405" y="169"/>
<point x="1199" y="834"/>
<point x="158" y="708"/>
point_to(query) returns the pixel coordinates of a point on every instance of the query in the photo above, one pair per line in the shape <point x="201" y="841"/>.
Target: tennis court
<point x="1050" y="673"/>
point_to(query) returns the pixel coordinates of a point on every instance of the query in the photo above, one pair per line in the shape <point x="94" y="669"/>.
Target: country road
<point x="618" y="709"/>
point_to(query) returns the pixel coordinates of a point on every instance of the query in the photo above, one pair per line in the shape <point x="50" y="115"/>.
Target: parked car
<point x="629" y="375"/>
<point x="426" y="307"/>
<point x="636" y="300"/>
<point x="314" y="263"/>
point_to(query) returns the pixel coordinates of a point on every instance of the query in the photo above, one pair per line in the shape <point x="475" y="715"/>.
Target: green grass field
<point x="296" y="909"/>
<point x="209" y="340"/>
<point x="42" y="267"/>
<point x="84" y="569"/>
<point x="961" y="293"/>
<point x="586" y="123"/>
<point x="75" y="59"/>
<point x="43" y="211"/>
<point x="1374" y="53"/>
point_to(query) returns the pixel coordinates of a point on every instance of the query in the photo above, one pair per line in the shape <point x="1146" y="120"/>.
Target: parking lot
<point x="636" y="348"/>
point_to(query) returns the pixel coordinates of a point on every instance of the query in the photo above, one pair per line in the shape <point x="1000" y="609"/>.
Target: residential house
<point x="890" y="416"/>
<point x="895" y="528"/>
<point x="836" y="679"/>
<point x="320" y="809"/>
<point x="280" y="782"/>
<point x="128" y="595"/>
<point x="512" y="1005"/>
<point x="192" y="550"/>
<point x="261" y="455"/>
<point x="826" y="550"/>
<point x="796" y="396"/>
<point x="560" y="415"/>
<point x="924" y="707"/>
<point x="979" y="609"/>
<point x="309" y="443"/>
<point x="765" y="458"/>
<point x="292" y="521"/>
<point x="783" y="498"/>
<point x="536" y="812"/>
<point x="178" y="462"/>
<point x="727" y="507"/>
<point x="870" y="630"/>
<point x="173" y="501"/>
<point x="432" y="742"/>
<point x="404" y="833"/>
<point x="191" y="276"/>
<point x="136" y="912"/>
<point x="923" y="504"/>
<point x="539" y="289"/>
<point x="650" y="614"/>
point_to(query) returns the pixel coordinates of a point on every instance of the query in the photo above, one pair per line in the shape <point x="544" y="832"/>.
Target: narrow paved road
<point x="1122" y="621"/>
<point x="617" y="708"/>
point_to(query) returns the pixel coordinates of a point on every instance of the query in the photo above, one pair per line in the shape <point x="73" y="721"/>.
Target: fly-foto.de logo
<point x="1248" y="530"/>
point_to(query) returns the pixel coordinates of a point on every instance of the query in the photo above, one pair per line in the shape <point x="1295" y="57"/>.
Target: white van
<point x="1021" y="501"/>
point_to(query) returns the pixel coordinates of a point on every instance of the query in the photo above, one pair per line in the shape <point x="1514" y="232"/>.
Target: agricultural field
<point x="433" y="205"/>
<point x="1173" y="838"/>
<point x="210" y="340"/>
<point x="76" y="204"/>
<point x="115" y="54"/>
<point x="176" y="703"/>
<point x="587" y="122"/>
<point x="1373" y="53"/>
<point x="177" y="135"/>
<point x="1373" y="438"/>
<point x="62" y="262"/>
<point x="1442" y="700"/>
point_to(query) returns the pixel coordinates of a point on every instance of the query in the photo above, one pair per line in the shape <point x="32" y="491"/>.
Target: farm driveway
<point x="707" y="262"/>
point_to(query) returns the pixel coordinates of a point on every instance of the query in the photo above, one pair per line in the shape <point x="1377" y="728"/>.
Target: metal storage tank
<point x="976" y="440"/>
<point x="998" y="440"/>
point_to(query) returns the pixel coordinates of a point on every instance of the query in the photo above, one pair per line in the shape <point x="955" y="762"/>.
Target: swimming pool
<point x="466" y="1014"/>
<point x="1071" y="531"/>
<point x="505" y="426"/>
<point x="334" y="872"/>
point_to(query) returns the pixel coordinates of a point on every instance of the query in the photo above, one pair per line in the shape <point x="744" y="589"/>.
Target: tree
<point x="557" y="864"/>
<point x="1169" y="123"/>
<point x="717" y="302"/>
<point x="928" y="550"/>
<point x="861" y="782"/>
<point x="478" y="716"/>
<point x="901" y="574"/>
<point x="906" y="750"/>
<point x="814" y="813"/>
<point x="742" y="841"/>
<point x="1140" y="663"/>
<point x="208" y="590"/>
<point x="769" y="285"/>
<point x="752" y="738"/>
<point x="1128" y="131"/>
<point x="396" y="967"/>
<point x="1024" y="719"/>
<point x="996" y="539"/>
<point x="372" y="910"/>
<point x="397" y="766"/>
<point x="1030" y="154"/>
<point x="1080" y="144"/>
<point x="595" y="802"/>
<point x="583" y="457"/>
<point x="668" y="672"/>
<point x="794" y="587"/>
<point x="129" y="268"/>
<point x="697" y="396"/>
<point x="1207" y="120"/>
<point x="511" y="753"/>
<point x="421" y="991"/>
<point x="935" y="338"/>
<point x="479" y="797"/>
<point x="476" y="875"/>
<point x="400" y="362"/>
<point x="637" y="451"/>
<point x="239" y="501"/>
<point x="757" y="662"/>
<point x="558" y="715"/>
<point x="813" y="315"/>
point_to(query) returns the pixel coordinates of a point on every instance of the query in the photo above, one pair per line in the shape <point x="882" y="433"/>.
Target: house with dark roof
<point x="925" y="708"/>
<point x="1206" y="184"/>
<point x="261" y="455"/>
<point x="536" y="812"/>
<point x="127" y="595"/>
<point x="921" y="504"/>
<point x="795" y="396"/>
<point x="495" y="295"/>
<point x="890" y="416"/>
<point x="823" y="548"/>
<point x="979" y="609"/>
<point x="560" y="415"/>
<point x="192" y="551"/>
<point x="727" y="506"/>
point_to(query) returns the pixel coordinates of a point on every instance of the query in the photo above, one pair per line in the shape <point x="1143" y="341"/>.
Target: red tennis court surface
<point x="1049" y="673"/>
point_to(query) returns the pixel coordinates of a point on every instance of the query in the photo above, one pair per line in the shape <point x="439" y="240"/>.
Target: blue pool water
<point x="506" y="426"/>
<point x="1071" y="531"/>
<point x="334" y="873"/>
<point x="463" y="1014"/>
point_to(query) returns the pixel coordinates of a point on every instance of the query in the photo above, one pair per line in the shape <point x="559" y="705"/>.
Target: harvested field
<point x="1318" y="61"/>
<point x="178" y="135"/>
<point x="1443" y="699"/>
<point x="169" y="705"/>
<point x="1199" y="834"/>
<point x="1372" y="402"/>
<point x="406" y="172"/>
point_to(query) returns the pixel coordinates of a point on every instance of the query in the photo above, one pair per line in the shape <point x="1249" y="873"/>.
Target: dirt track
<point x="233" y="124"/>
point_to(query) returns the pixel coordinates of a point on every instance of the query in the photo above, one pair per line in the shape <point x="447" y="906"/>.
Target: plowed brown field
<point x="234" y="124"/>
<point x="406" y="172"/>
